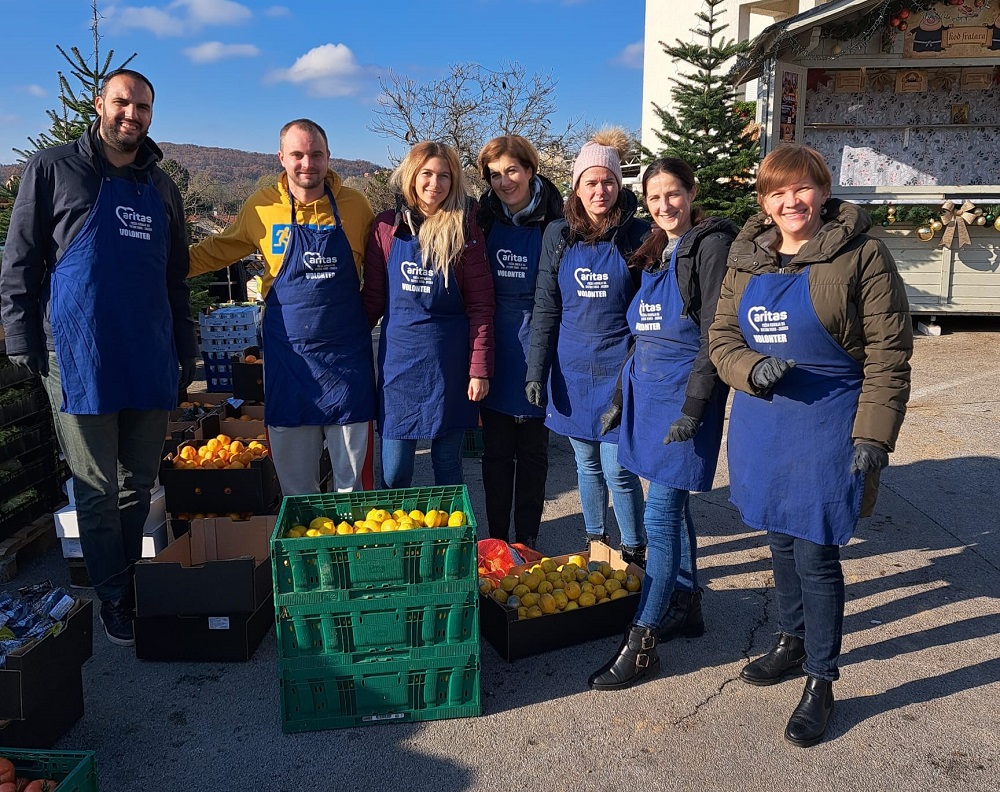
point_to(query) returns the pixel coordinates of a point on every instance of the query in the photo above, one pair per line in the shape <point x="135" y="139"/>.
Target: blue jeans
<point x="446" y="458"/>
<point x="809" y="585"/>
<point x="114" y="459"/>
<point x="597" y="471"/>
<point x="671" y="560"/>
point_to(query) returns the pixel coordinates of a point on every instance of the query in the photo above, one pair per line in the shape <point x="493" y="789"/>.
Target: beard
<point x="114" y="137"/>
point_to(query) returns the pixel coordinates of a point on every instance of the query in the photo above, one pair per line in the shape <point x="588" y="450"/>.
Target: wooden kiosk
<point x="902" y="99"/>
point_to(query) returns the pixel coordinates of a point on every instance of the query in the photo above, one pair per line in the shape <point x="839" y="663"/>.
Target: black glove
<point x="610" y="418"/>
<point x="768" y="371"/>
<point x="188" y="366"/>
<point x="35" y="363"/>
<point x="868" y="458"/>
<point x="682" y="430"/>
<point x="535" y="391"/>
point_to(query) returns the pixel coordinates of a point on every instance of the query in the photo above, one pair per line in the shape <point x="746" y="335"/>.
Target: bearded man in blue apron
<point x="813" y="330"/>
<point x="319" y="370"/>
<point x="94" y="300"/>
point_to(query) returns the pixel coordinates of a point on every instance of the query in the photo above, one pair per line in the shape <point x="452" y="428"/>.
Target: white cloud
<point x="177" y="18"/>
<point x="631" y="56"/>
<point x="278" y="11"/>
<point x="34" y="90"/>
<point x="212" y="51"/>
<point x="327" y="70"/>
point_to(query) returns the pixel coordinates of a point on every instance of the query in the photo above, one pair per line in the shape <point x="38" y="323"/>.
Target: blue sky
<point x="231" y="73"/>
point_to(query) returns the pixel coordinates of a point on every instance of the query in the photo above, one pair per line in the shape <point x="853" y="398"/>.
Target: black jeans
<point x="809" y="583"/>
<point x="515" y="465"/>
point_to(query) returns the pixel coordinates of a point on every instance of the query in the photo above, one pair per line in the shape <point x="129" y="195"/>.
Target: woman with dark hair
<point x="513" y="214"/>
<point x="426" y="278"/>
<point x="580" y="334"/>
<point x="813" y="331"/>
<point x="673" y="405"/>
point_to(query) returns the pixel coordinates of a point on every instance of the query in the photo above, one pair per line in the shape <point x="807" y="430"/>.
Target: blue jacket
<point x="56" y="193"/>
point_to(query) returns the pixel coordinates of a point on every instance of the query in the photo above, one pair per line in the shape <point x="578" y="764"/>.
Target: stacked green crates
<point x="376" y="627"/>
<point x="74" y="771"/>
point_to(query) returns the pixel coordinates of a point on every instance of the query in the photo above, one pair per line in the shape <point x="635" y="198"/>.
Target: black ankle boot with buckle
<point x="807" y="726"/>
<point x="684" y="617"/>
<point x="635" y="659"/>
<point x="634" y="555"/>
<point x="786" y="657"/>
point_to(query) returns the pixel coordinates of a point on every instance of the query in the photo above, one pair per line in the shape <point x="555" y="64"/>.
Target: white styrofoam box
<point x="153" y="541"/>
<point x="68" y="528"/>
<point x="68" y="489"/>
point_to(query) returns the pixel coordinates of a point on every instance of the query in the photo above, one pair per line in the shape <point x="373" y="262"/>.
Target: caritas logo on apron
<point x="650" y="316"/>
<point x="771" y="326"/>
<point x="592" y="284"/>
<point x="318" y="266"/>
<point x="134" y="225"/>
<point x="511" y="264"/>
<point x="417" y="279"/>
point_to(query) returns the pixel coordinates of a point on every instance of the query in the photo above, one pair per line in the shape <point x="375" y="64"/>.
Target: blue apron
<point x="654" y="387"/>
<point x="513" y="253"/>
<point x="790" y="452"/>
<point x="318" y="366"/>
<point x="112" y="325"/>
<point x="423" y="352"/>
<point x="596" y="290"/>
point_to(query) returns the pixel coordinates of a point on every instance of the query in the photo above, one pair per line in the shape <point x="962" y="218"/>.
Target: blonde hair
<point x="442" y="235"/>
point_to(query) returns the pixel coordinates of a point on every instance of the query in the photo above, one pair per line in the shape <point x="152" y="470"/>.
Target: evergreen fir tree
<point x="709" y="129"/>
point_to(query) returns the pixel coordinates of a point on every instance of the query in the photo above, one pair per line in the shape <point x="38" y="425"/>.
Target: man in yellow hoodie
<point x="318" y="368"/>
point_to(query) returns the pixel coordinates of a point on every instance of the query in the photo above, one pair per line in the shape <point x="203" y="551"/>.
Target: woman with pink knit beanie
<point x="580" y="334"/>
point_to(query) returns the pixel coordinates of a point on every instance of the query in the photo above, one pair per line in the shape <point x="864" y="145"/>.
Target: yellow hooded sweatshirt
<point x="263" y="222"/>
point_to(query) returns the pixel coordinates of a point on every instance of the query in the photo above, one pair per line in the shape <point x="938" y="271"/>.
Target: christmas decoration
<point x="956" y="223"/>
<point x="924" y="234"/>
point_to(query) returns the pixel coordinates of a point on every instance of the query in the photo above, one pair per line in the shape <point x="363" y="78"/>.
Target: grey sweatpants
<point x="296" y="453"/>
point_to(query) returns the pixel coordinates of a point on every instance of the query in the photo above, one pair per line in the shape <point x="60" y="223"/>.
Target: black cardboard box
<point x="248" y="378"/>
<point x="206" y="597"/>
<point x="41" y="687"/>
<point x="253" y="489"/>
<point x="514" y="638"/>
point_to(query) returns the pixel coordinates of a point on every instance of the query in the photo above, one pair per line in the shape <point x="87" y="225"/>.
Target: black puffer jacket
<point x="547" y="313"/>
<point x="57" y="191"/>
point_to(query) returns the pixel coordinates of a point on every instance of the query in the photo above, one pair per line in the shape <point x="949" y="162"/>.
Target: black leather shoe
<point x="527" y="541"/>
<point x="807" y="726"/>
<point x="636" y="659"/>
<point x="602" y="538"/>
<point x="684" y="617"/>
<point x="116" y="616"/>
<point x="786" y="657"/>
<point x="634" y="555"/>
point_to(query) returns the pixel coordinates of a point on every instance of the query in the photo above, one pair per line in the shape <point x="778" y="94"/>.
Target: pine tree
<point x="709" y="129"/>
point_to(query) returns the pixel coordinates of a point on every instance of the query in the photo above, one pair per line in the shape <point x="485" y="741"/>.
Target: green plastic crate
<point x="472" y="444"/>
<point x="379" y="628"/>
<point x="76" y="771"/>
<point x="330" y="568"/>
<point x="390" y="692"/>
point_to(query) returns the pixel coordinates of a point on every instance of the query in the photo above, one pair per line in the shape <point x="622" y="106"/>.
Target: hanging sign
<point x="962" y="30"/>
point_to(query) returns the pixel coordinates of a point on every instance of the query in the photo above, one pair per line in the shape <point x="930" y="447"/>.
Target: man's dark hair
<point x="306" y="126"/>
<point x="126" y="73"/>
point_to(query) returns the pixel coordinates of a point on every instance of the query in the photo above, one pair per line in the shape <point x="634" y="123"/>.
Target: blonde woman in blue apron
<point x="813" y="331"/>
<point x="580" y="335"/>
<point x="673" y="406"/>
<point x="513" y="214"/>
<point x="426" y="278"/>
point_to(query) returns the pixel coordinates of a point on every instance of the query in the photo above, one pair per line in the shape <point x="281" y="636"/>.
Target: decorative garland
<point x="929" y="220"/>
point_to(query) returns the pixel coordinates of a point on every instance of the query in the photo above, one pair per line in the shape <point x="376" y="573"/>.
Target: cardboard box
<point x="253" y="490"/>
<point x="207" y="597"/>
<point x="245" y="430"/>
<point x="67" y="526"/>
<point x="248" y="378"/>
<point x="153" y="541"/>
<point x="514" y="639"/>
<point x="41" y="686"/>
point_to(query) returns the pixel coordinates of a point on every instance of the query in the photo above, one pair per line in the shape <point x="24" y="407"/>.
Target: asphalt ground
<point x="916" y="705"/>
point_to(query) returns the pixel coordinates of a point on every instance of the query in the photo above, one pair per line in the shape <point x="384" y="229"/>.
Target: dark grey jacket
<point x="548" y="300"/>
<point x="57" y="191"/>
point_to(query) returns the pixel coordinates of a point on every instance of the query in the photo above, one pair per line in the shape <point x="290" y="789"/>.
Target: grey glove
<point x="35" y="363"/>
<point x="535" y="391"/>
<point x="188" y="366"/>
<point x="868" y="458"/>
<point x="768" y="371"/>
<point x="682" y="430"/>
<point x="611" y="418"/>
